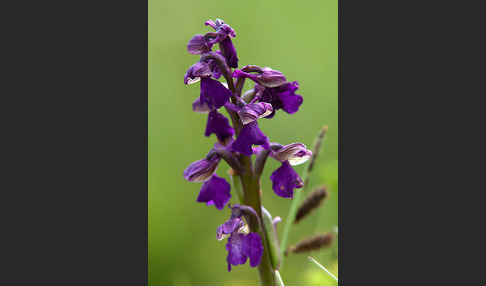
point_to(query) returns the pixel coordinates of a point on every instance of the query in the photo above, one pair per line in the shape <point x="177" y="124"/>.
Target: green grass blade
<point x="323" y="268"/>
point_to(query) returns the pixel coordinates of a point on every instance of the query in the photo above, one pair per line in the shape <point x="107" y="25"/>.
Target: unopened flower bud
<point x="295" y="153"/>
<point x="201" y="170"/>
<point x="253" y="111"/>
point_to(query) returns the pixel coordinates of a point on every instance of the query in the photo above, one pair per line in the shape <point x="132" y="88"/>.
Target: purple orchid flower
<point x="295" y="153"/>
<point x="213" y="93"/>
<point x="283" y="97"/>
<point x="202" y="170"/>
<point x="270" y="93"/>
<point x="251" y="112"/>
<point x="285" y="180"/>
<point x="219" y="125"/>
<point x="250" y="135"/>
<point x="224" y="34"/>
<point x="241" y="245"/>
<point x="215" y="191"/>
<point x="266" y="76"/>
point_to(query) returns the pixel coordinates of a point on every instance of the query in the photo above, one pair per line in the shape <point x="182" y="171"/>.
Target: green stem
<point x="235" y="180"/>
<point x="298" y="194"/>
<point x="251" y="191"/>
<point x="251" y="187"/>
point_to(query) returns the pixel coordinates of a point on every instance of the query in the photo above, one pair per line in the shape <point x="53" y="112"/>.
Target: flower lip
<point x="282" y="97"/>
<point x="218" y="124"/>
<point x="285" y="180"/>
<point x="215" y="191"/>
<point x="214" y="93"/>
<point x="250" y="135"/>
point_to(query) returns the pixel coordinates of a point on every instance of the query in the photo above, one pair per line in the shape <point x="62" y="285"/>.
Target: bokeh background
<point x="299" y="38"/>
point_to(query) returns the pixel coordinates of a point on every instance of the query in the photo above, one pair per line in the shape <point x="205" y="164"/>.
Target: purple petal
<point x="219" y="125"/>
<point x="225" y="32"/>
<point x="295" y="153"/>
<point x="215" y="191"/>
<point x="283" y="97"/>
<point x="230" y="226"/>
<point x="291" y="101"/>
<point x="285" y="180"/>
<point x="250" y="135"/>
<point x="237" y="250"/>
<point x="213" y="93"/>
<point x="201" y="170"/>
<point x="266" y="76"/>
<point x="196" y="72"/>
<point x="213" y="66"/>
<point x="229" y="52"/>
<point x="198" y="45"/>
<point x="199" y="106"/>
<point x="253" y="111"/>
<point x="255" y="248"/>
<point x="241" y="246"/>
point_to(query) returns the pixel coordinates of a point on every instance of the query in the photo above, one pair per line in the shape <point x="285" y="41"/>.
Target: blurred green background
<point x="299" y="38"/>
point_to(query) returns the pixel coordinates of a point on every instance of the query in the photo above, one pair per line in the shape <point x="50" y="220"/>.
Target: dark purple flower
<point x="196" y="72"/>
<point x="215" y="191"/>
<point x="214" y="93"/>
<point x="229" y="52"/>
<point x="250" y="135"/>
<point x="240" y="245"/>
<point x="224" y="34"/>
<point x="219" y="125"/>
<point x="251" y="112"/>
<point x="230" y="226"/>
<point x="283" y="97"/>
<point x="201" y="170"/>
<point x="198" y="44"/>
<point x="285" y="180"/>
<point x="266" y="76"/>
<point x="295" y="153"/>
<point x="214" y="67"/>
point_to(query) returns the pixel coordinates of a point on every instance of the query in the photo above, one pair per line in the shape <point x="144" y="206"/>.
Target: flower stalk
<point x="296" y="201"/>
<point x="250" y="231"/>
